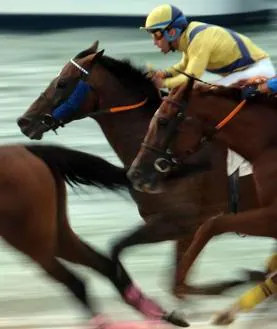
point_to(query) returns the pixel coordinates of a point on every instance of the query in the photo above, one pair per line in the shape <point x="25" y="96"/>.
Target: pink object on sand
<point x="145" y="324"/>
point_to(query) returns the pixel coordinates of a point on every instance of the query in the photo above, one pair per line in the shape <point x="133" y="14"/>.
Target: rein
<point x="117" y="109"/>
<point x="194" y="78"/>
<point x="230" y="116"/>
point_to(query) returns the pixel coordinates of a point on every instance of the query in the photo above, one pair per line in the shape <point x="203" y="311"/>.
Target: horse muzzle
<point x="142" y="182"/>
<point x="34" y="129"/>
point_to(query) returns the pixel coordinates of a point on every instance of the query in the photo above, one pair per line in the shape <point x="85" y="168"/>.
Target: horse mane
<point x="131" y="77"/>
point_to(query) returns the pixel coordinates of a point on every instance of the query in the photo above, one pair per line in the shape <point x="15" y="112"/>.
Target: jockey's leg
<point x="264" y="68"/>
<point x="248" y="300"/>
<point x="272" y="263"/>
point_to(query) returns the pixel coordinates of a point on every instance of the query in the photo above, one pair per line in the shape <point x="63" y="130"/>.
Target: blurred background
<point x="37" y="38"/>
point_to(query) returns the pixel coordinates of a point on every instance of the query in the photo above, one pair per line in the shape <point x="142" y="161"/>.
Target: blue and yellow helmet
<point x="164" y="17"/>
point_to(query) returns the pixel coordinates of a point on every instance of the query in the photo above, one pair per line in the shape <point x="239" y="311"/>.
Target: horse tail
<point x="77" y="167"/>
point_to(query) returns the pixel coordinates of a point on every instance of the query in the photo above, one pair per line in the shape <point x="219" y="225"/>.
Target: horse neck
<point x="247" y="133"/>
<point x="125" y="131"/>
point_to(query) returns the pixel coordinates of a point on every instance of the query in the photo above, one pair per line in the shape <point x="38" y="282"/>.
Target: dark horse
<point x="34" y="220"/>
<point x="123" y="100"/>
<point x="186" y="121"/>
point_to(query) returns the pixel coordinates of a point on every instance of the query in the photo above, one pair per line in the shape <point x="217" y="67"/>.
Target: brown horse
<point x="33" y="218"/>
<point x="186" y="121"/>
<point x="123" y="101"/>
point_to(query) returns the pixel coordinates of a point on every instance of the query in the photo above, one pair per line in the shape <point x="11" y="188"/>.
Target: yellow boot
<point x="258" y="294"/>
<point x="248" y="301"/>
<point x="272" y="263"/>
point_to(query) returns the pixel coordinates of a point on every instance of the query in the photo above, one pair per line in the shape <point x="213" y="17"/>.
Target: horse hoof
<point x="177" y="318"/>
<point x="255" y="276"/>
<point x="223" y="319"/>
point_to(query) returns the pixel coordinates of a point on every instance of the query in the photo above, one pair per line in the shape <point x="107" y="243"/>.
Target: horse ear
<point x="93" y="57"/>
<point x="92" y="50"/>
<point x="94" y="46"/>
<point x="100" y="53"/>
<point x="97" y="55"/>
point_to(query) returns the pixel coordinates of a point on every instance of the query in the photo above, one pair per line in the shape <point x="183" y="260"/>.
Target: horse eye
<point x="61" y="84"/>
<point x="188" y="119"/>
<point x="162" y="121"/>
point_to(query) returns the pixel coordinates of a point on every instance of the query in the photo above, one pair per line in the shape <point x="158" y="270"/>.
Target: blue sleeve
<point x="272" y="84"/>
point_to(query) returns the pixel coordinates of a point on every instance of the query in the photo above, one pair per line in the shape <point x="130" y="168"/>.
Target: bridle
<point x="84" y="75"/>
<point x="166" y="159"/>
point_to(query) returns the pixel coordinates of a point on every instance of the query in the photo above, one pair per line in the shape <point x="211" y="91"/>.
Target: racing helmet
<point x="164" y="17"/>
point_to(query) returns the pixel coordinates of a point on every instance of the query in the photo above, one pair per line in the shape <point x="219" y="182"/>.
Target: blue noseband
<point x="73" y="102"/>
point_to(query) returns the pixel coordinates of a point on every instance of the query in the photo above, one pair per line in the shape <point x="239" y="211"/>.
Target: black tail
<point x="78" y="168"/>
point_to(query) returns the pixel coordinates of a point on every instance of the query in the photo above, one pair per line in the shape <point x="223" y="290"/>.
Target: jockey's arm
<point x="198" y="54"/>
<point x="181" y="66"/>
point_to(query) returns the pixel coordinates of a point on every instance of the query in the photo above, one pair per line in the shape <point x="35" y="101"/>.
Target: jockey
<point x="265" y="87"/>
<point x="205" y="47"/>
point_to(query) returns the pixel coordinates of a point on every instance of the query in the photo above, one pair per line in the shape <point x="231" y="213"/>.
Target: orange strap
<point x="230" y="115"/>
<point x="127" y="107"/>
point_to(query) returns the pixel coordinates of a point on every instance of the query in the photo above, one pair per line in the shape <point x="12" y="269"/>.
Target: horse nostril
<point x="136" y="174"/>
<point x="23" y="122"/>
<point x="133" y="174"/>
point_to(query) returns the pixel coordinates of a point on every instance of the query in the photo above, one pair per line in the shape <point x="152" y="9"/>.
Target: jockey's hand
<point x="256" y="80"/>
<point x="158" y="82"/>
<point x="160" y="74"/>
<point x="263" y="88"/>
<point x="157" y="74"/>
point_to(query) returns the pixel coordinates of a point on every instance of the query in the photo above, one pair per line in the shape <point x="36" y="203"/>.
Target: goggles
<point x="157" y="34"/>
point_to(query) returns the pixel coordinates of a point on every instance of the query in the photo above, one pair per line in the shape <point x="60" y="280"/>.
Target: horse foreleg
<point x="181" y="247"/>
<point x="181" y="286"/>
<point x="157" y="230"/>
<point x="260" y="222"/>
